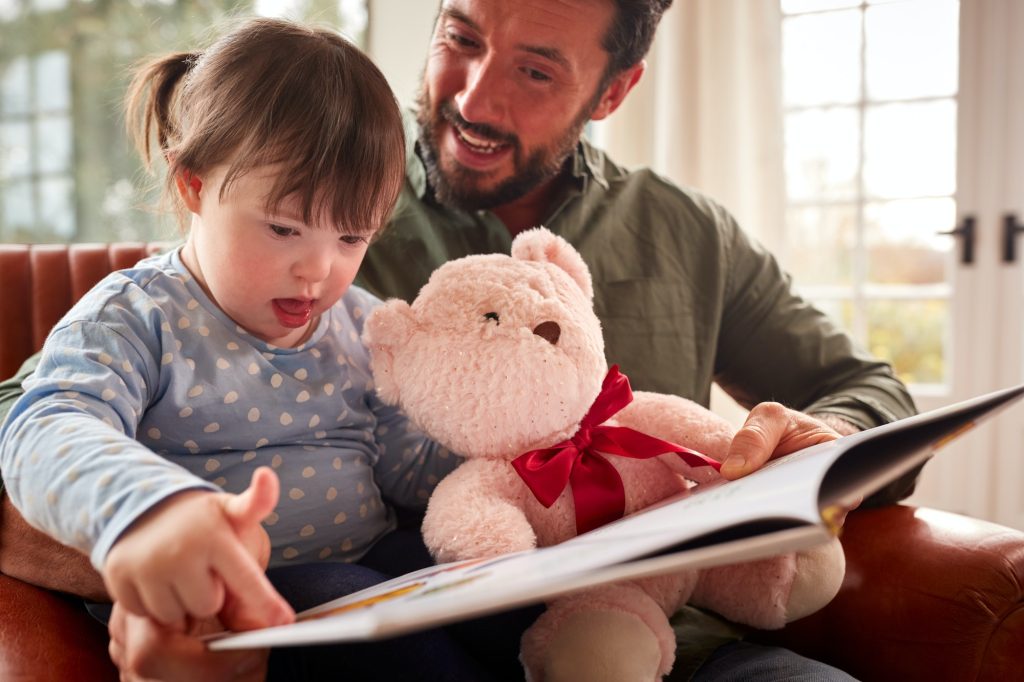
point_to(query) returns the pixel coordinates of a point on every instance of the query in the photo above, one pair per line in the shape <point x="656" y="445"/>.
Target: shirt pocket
<point x="652" y="332"/>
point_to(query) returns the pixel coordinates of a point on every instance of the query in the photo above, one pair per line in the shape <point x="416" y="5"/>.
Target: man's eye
<point x="536" y="75"/>
<point x="282" y="231"/>
<point x="461" y="40"/>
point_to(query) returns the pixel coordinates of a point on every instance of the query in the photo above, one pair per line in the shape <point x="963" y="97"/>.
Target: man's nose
<point x="482" y="100"/>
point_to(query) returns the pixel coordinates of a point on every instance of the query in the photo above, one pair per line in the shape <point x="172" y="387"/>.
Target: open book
<point x="785" y="506"/>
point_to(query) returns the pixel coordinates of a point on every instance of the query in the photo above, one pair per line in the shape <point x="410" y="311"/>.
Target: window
<point x="870" y="90"/>
<point x="67" y="170"/>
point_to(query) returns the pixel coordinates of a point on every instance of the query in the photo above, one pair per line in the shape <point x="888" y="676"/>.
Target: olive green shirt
<point x="685" y="297"/>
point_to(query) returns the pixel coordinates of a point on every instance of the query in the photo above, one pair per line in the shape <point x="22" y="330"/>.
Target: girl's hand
<point x="193" y="554"/>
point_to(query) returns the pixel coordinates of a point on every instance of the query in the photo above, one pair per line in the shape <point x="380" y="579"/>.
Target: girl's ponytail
<point x="150" y="103"/>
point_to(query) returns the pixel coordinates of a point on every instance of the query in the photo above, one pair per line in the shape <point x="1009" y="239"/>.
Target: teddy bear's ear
<point x="387" y="328"/>
<point x="541" y="245"/>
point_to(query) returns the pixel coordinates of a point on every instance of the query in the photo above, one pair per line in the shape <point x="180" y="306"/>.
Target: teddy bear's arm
<point x="475" y="512"/>
<point x="680" y="421"/>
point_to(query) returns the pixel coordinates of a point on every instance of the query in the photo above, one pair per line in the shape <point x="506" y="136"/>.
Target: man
<point x="685" y="298"/>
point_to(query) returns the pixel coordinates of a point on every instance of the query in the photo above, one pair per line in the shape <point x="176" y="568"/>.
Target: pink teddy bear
<point x="501" y="359"/>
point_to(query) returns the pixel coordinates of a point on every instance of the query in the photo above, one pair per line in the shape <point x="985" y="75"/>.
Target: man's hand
<point x="34" y="557"/>
<point x="772" y="430"/>
<point x="192" y="555"/>
<point x="142" y="650"/>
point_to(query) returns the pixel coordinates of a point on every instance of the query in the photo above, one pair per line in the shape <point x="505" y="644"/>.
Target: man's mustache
<point x="450" y="113"/>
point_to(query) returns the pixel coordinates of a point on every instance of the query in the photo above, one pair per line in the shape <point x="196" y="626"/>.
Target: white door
<point x="988" y="474"/>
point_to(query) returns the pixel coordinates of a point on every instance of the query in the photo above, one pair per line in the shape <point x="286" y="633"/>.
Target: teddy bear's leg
<point x="614" y="633"/>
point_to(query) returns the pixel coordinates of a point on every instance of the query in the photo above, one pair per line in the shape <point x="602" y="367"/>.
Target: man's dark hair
<point x="631" y="33"/>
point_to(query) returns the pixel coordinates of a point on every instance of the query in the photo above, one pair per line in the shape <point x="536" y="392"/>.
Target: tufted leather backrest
<point x="40" y="282"/>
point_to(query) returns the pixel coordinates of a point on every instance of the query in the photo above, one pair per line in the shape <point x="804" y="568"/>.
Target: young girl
<point x="236" y="357"/>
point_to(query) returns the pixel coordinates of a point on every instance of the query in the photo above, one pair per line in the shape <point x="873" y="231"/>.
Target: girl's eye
<point x="282" y="231"/>
<point x="352" y="239"/>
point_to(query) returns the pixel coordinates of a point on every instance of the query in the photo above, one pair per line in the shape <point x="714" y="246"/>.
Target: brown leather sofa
<point x="928" y="595"/>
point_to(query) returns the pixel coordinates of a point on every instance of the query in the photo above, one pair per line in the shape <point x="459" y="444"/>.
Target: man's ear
<point x="189" y="186"/>
<point x="617" y="90"/>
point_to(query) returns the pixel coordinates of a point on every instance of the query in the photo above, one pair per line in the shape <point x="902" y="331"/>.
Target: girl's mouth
<point x="293" y="312"/>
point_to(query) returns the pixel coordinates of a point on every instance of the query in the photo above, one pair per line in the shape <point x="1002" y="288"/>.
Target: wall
<point x="397" y="39"/>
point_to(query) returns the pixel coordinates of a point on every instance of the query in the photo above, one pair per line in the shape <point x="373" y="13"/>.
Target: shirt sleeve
<point x="67" y="449"/>
<point x="410" y="464"/>
<point x="10" y="391"/>
<point x="774" y="345"/>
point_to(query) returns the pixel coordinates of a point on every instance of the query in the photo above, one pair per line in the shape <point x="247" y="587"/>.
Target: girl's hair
<point x="276" y="92"/>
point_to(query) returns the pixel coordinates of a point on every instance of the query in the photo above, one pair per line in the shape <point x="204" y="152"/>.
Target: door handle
<point x="1010" y="229"/>
<point x="966" y="233"/>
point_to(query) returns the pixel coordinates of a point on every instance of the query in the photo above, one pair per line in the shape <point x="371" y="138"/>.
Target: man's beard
<point x="462" y="187"/>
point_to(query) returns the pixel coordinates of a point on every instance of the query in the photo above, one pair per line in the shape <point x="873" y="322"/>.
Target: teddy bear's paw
<point x="598" y="646"/>
<point x="819" y="575"/>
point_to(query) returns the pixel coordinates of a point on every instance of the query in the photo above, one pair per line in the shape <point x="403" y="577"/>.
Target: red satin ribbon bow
<point x="596" y="486"/>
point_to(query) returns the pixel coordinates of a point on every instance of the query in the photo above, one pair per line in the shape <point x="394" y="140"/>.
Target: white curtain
<point x="708" y="111"/>
<point x="708" y="114"/>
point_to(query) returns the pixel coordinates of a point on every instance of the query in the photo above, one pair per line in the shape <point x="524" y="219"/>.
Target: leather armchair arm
<point x="45" y="636"/>
<point x="927" y="595"/>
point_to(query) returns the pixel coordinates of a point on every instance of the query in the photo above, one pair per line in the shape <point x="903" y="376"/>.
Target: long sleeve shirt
<point x="146" y="388"/>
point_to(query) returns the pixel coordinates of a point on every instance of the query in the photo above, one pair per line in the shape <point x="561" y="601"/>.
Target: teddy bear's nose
<point x="549" y="331"/>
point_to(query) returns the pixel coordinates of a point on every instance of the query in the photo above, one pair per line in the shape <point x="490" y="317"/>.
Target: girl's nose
<point x="313" y="266"/>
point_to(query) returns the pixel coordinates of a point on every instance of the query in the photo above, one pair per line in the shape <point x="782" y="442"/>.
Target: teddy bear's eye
<point x="492" y="316"/>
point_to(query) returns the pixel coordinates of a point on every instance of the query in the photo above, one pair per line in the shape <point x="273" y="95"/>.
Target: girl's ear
<point x="189" y="186"/>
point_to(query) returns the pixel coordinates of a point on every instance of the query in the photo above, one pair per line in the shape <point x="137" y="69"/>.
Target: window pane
<point x="9" y="10"/>
<point x="353" y="18"/>
<point x="15" y="158"/>
<point x="822" y="151"/>
<point x="14" y="88"/>
<point x="54" y="144"/>
<point x="792" y="6"/>
<point x="57" y="208"/>
<point x="19" y="217"/>
<point x="910" y="150"/>
<point x="48" y="5"/>
<point x="53" y="86"/>
<point x="910" y="335"/>
<point x="279" y="8"/>
<point x="912" y="50"/>
<point x="820" y="242"/>
<point x="821" y="58"/>
<point x="903" y="244"/>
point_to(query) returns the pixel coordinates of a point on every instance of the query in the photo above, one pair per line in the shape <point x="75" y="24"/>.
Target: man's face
<point x="508" y="87"/>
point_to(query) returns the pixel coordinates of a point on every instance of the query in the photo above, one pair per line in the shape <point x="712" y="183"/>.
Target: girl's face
<point x="274" y="275"/>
